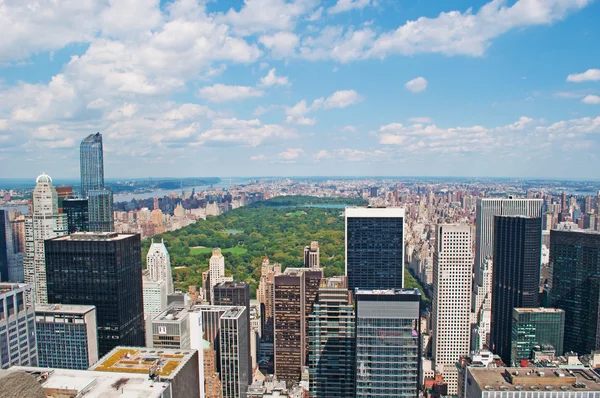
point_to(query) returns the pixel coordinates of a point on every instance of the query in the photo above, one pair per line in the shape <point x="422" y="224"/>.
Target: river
<point x="159" y="193"/>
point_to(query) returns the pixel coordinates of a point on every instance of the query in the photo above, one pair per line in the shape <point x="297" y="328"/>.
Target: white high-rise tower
<point x="452" y="270"/>
<point x="45" y="222"/>
<point x="216" y="269"/>
<point x="159" y="264"/>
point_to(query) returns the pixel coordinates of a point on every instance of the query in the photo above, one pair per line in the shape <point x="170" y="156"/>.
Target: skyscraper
<point x="77" y="213"/>
<point x="533" y="327"/>
<point x="104" y="270"/>
<point x="44" y="223"/>
<point x="575" y="265"/>
<point x="331" y="341"/>
<point x="486" y="209"/>
<point x="158" y="263"/>
<point x="216" y="272"/>
<point x="452" y="283"/>
<point x="311" y="255"/>
<point x="17" y="327"/>
<point x="515" y="284"/>
<point x="171" y="328"/>
<point x="375" y="248"/>
<point x="388" y="343"/>
<point x="67" y="336"/>
<point x="91" y="164"/>
<point x="235" y="353"/>
<point x="100" y="210"/>
<point x="264" y="295"/>
<point x="295" y="293"/>
<point x="6" y="246"/>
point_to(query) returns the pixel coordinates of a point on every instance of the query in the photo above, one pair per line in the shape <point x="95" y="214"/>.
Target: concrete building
<point x="45" y="222"/>
<point x="486" y="210"/>
<point x="17" y="327"/>
<point x="170" y="329"/>
<point x="155" y="296"/>
<point x="216" y="270"/>
<point x="265" y="295"/>
<point x="517" y="260"/>
<point x="235" y="353"/>
<point x="536" y="327"/>
<point x="177" y="367"/>
<point x="388" y="344"/>
<point x="104" y="270"/>
<point x="158" y="263"/>
<point x="452" y="285"/>
<point x="331" y="341"/>
<point x="100" y="210"/>
<point x="67" y="336"/>
<point x="531" y="383"/>
<point x="295" y="292"/>
<point x="60" y="383"/>
<point x="374" y="248"/>
<point x="575" y="270"/>
<point x="311" y="255"/>
<point x="482" y="299"/>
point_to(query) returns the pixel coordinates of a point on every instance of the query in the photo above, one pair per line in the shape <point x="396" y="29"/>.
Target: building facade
<point x="388" y="344"/>
<point x="100" y="209"/>
<point x="45" y="222"/>
<point x="265" y="296"/>
<point x="91" y="164"/>
<point x="517" y="260"/>
<point x="155" y="296"/>
<point x="575" y="268"/>
<point x="452" y="285"/>
<point x="235" y="353"/>
<point x="77" y="213"/>
<point x="66" y="336"/>
<point x="295" y="293"/>
<point x="331" y="341"/>
<point x="171" y="328"/>
<point x="158" y="262"/>
<point x="541" y="327"/>
<point x="311" y="255"/>
<point x="17" y="327"/>
<point x="374" y="248"/>
<point x="104" y="270"/>
<point x="216" y="272"/>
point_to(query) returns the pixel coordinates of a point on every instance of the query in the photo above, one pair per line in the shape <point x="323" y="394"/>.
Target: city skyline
<point x="344" y="86"/>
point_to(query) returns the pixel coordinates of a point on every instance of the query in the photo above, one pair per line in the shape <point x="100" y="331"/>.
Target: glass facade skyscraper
<point x="388" y="343"/>
<point x="104" y="270"/>
<point x="575" y="265"/>
<point x="91" y="165"/>
<point x="77" y="214"/>
<point x="100" y="208"/>
<point x="375" y="248"/>
<point x="536" y="327"/>
<point x="516" y="270"/>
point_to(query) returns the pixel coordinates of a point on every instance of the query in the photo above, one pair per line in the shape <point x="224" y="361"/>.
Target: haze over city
<point x="268" y="87"/>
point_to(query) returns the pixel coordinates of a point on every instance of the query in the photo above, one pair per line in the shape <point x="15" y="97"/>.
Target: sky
<point x="302" y="87"/>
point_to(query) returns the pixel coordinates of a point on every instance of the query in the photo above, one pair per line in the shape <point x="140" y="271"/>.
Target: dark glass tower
<point x="517" y="260"/>
<point x="5" y="233"/>
<point x="533" y="327"/>
<point x="100" y="209"/>
<point x="575" y="264"/>
<point x="105" y="270"/>
<point x="374" y="248"/>
<point x="77" y="215"/>
<point x="388" y="343"/>
<point x="91" y="164"/>
<point x="236" y="294"/>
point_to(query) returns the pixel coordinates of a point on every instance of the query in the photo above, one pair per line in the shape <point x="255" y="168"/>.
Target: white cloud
<point x="126" y="111"/>
<point x="305" y="121"/>
<point x="188" y="112"/>
<point x="3" y="124"/>
<point x="315" y="16"/>
<point x="422" y="120"/>
<point x="258" y="157"/>
<point x="290" y="154"/>
<point x="416" y="85"/>
<point x="281" y="44"/>
<point x="243" y="132"/>
<point x="223" y="93"/>
<point x="588" y="75"/>
<point x="342" y="99"/>
<point x="271" y="79"/>
<point x="322" y="154"/>
<point x="347" y="5"/>
<point x="591" y="99"/>
<point x="348" y="129"/>
<point x="125" y="18"/>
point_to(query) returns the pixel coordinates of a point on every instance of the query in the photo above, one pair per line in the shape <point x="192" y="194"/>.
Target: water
<point x="23" y="208"/>
<point x="159" y="193"/>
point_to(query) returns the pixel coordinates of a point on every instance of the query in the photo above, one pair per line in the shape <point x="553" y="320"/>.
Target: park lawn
<point x="203" y="250"/>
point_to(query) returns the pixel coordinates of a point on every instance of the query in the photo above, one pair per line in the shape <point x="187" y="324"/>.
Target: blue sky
<point x="302" y="87"/>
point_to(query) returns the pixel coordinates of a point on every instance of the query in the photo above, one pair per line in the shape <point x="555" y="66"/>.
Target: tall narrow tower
<point x="159" y="264"/>
<point x="100" y="199"/>
<point x="43" y="223"/>
<point x="216" y="272"/>
<point x="452" y="270"/>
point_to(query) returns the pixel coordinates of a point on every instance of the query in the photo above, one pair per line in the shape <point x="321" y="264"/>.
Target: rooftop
<point x="233" y="312"/>
<point x="538" y="310"/>
<point x="9" y="287"/>
<point x="93" y="236"/>
<point x="368" y="212"/>
<point x="173" y="313"/>
<point x="159" y="361"/>
<point x="64" y="309"/>
<point x="95" y="384"/>
<point x="535" y="379"/>
<point x="387" y="292"/>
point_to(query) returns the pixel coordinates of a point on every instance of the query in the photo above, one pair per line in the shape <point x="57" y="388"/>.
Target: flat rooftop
<point x="63" y="309"/>
<point x="160" y="361"/>
<point x="174" y="314"/>
<point x="386" y="292"/>
<point x="233" y="313"/>
<point x="374" y="212"/>
<point x="9" y="287"/>
<point x="538" y="310"/>
<point x="94" y="236"/>
<point x="92" y="384"/>
<point x="535" y="379"/>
